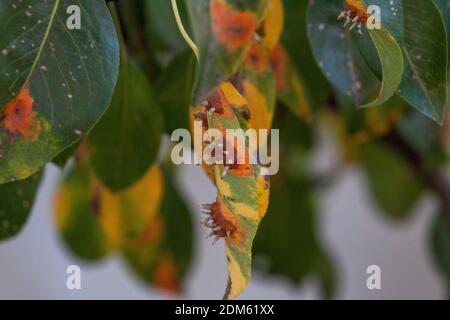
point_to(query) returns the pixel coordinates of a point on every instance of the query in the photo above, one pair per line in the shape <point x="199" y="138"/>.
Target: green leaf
<point x="16" y="203"/>
<point x="256" y="83"/>
<point x="76" y="212"/>
<point x="292" y="90"/>
<point x="174" y="91"/>
<point x="295" y="40"/>
<point x="221" y="48"/>
<point x="55" y="83"/>
<point x="161" y="27"/>
<point x="296" y="252"/>
<point x="393" y="183"/>
<point x="337" y="54"/>
<point x="63" y="158"/>
<point x="414" y="123"/>
<point x="418" y="27"/>
<point x="440" y="236"/>
<point x="290" y="253"/>
<point x="125" y="142"/>
<point x="163" y="260"/>
<point x="444" y="8"/>
<point x="391" y="59"/>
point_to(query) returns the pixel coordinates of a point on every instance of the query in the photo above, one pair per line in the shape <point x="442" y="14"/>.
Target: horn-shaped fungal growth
<point x="355" y="15"/>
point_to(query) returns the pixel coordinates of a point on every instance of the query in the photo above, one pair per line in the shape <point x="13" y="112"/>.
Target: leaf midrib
<point x="43" y="42"/>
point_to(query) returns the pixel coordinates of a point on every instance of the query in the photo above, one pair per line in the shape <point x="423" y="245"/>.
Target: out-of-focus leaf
<point x="291" y="88"/>
<point x="223" y="31"/>
<point x="393" y="183"/>
<point x="273" y="23"/>
<point x="162" y="33"/>
<point x="290" y="252"/>
<point x="256" y="83"/>
<point x="295" y="252"/>
<point x="337" y="54"/>
<point x="415" y="123"/>
<point x="125" y="142"/>
<point x="295" y="40"/>
<point x="76" y="211"/>
<point x="16" y="203"/>
<point x="55" y="83"/>
<point x="440" y="236"/>
<point x="174" y="90"/>
<point x="126" y="216"/>
<point x="445" y="11"/>
<point x="418" y="28"/>
<point x="164" y="258"/>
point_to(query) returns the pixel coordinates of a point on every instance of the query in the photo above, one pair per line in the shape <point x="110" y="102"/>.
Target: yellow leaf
<point x="126" y="215"/>
<point x="273" y="23"/>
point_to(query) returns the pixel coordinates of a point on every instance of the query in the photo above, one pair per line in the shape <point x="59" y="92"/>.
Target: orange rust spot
<point x="256" y="58"/>
<point x="235" y="168"/>
<point x="166" y="275"/>
<point x="278" y="60"/>
<point x="357" y="9"/>
<point x="18" y="116"/>
<point x="153" y="233"/>
<point x="222" y="222"/>
<point x="233" y="29"/>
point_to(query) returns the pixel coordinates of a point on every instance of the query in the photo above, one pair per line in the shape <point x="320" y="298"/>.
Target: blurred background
<point x="352" y="230"/>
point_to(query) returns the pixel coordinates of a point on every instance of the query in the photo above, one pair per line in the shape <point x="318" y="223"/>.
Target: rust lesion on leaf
<point x="166" y="275"/>
<point x="279" y="60"/>
<point x="233" y="29"/>
<point x="256" y="58"/>
<point x="222" y="222"/>
<point x="355" y="14"/>
<point x="18" y="117"/>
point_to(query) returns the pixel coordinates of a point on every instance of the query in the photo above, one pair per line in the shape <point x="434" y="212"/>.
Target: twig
<point x="433" y="179"/>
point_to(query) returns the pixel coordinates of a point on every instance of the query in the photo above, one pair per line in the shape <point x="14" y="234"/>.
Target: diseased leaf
<point x="242" y="193"/>
<point x="76" y="210"/>
<point x="290" y="87"/>
<point x="163" y="258"/>
<point x="55" y="83"/>
<point x="126" y="141"/>
<point x="256" y="83"/>
<point x="126" y="216"/>
<point x="394" y="184"/>
<point x="425" y="51"/>
<point x="16" y="203"/>
<point x="336" y="53"/>
<point x="223" y="31"/>
<point x="273" y="24"/>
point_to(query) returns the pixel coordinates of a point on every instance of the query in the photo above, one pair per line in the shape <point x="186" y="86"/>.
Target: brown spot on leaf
<point x="222" y="222"/>
<point x="166" y="275"/>
<point x="278" y="60"/>
<point x="257" y="59"/>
